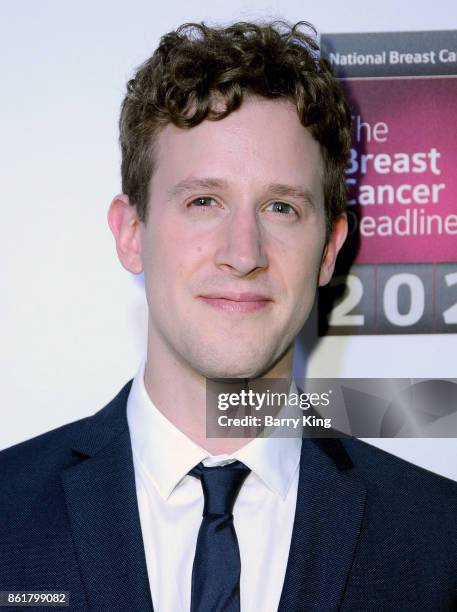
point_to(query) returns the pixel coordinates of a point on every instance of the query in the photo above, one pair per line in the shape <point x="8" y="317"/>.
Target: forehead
<point x="263" y="141"/>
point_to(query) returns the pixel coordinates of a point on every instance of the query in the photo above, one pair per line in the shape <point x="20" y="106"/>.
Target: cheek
<point x="300" y="273"/>
<point x="172" y="258"/>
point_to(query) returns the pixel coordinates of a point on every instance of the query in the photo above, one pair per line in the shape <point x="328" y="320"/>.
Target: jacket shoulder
<point x="45" y="443"/>
<point x="398" y="477"/>
<point x="26" y="466"/>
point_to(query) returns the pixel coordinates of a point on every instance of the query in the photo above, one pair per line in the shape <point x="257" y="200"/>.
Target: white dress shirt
<point x="171" y="504"/>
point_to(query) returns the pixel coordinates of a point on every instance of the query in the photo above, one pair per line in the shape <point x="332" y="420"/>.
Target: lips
<point x="237" y="302"/>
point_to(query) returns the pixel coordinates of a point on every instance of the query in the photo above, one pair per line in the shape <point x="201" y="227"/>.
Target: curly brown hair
<point x="197" y="67"/>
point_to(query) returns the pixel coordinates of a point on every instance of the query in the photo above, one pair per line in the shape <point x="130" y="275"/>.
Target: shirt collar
<point x="167" y="454"/>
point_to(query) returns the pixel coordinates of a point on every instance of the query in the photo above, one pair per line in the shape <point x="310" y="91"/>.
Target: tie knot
<point x="220" y="485"/>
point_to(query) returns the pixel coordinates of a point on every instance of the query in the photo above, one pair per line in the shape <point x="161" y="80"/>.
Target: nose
<point x="242" y="248"/>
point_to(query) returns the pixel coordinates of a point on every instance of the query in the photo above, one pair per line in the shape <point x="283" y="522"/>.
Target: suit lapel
<point x="328" y="517"/>
<point x="102" y="507"/>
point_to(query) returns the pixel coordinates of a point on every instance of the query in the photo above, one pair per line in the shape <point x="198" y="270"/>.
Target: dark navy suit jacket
<point x="371" y="532"/>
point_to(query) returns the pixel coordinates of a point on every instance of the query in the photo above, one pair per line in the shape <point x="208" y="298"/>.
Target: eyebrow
<point x="190" y="184"/>
<point x="280" y="190"/>
<point x="277" y="190"/>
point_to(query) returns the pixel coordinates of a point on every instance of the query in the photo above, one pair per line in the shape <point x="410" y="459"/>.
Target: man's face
<point x="234" y="240"/>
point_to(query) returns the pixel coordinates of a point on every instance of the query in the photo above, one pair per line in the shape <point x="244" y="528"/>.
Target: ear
<point x="332" y="248"/>
<point x="125" y="225"/>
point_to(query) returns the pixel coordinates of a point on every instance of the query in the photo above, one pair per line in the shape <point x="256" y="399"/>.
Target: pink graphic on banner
<point x="402" y="173"/>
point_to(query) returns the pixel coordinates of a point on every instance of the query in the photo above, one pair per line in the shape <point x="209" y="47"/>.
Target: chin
<point x="232" y="374"/>
<point x="215" y="365"/>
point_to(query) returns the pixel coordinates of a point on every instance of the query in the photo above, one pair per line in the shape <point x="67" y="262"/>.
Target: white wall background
<point x="72" y="321"/>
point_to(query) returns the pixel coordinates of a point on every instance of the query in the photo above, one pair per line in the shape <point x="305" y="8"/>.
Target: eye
<point x="281" y="207"/>
<point x="202" y="202"/>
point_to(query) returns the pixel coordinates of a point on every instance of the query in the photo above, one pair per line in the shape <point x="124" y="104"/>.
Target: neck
<point x="179" y="392"/>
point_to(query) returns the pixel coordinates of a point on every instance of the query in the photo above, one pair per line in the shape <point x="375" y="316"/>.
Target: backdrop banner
<point x="398" y="272"/>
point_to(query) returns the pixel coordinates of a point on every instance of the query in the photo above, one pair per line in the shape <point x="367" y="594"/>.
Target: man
<point x="234" y="142"/>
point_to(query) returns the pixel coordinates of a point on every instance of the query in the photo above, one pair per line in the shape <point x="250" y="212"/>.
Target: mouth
<point x="237" y="302"/>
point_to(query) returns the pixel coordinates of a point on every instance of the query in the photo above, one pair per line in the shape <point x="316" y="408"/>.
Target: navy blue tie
<point x="217" y="567"/>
